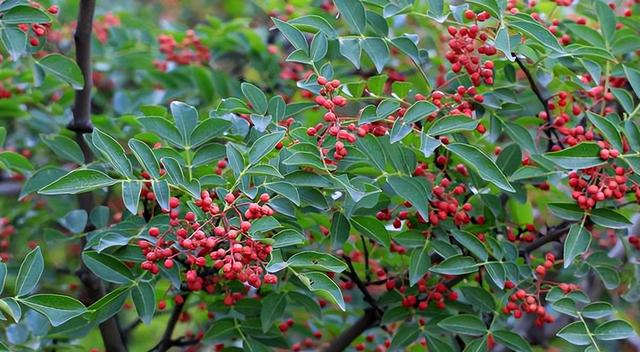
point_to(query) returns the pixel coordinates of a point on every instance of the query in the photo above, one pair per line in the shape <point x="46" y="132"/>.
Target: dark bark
<point x="93" y="287"/>
<point x="166" y="342"/>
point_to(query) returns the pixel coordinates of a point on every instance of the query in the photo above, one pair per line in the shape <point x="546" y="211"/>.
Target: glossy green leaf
<point x="372" y="229"/>
<point x="62" y="67"/>
<point x="479" y="161"/>
<point x="465" y="324"/>
<point x="576" y="243"/>
<point x="57" y="308"/>
<point x="30" y="272"/>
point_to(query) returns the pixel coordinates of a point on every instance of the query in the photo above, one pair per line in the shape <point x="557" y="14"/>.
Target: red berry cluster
<point x="447" y="205"/>
<point x="213" y="250"/>
<point x="102" y="25"/>
<point x="521" y="301"/>
<point x="464" y="53"/>
<point x="541" y="269"/>
<point x="526" y="234"/>
<point x="6" y="231"/>
<point x="188" y="51"/>
<point x="591" y="186"/>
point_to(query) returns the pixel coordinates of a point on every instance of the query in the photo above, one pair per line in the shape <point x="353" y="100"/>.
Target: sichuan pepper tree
<point x="465" y="185"/>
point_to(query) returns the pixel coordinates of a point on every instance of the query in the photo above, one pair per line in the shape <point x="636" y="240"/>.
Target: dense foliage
<point x="320" y="175"/>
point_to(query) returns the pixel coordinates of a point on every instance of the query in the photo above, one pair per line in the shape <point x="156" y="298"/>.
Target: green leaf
<point x="597" y="310"/>
<point x="624" y="98"/>
<point x="606" y="20"/>
<point x="161" y="191"/>
<point x="78" y="181"/>
<point x="456" y="265"/>
<point x="503" y="43"/>
<point x="576" y="243"/>
<point x="353" y="13"/>
<point x="263" y="145"/>
<point x="144" y="298"/>
<point x="30" y="271"/>
<point x="3" y="136"/>
<point x="567" y="211"/>
<point x="3" y="276"/>
<point x="221" y="329"/>
<point x="186" y="117"/>
<point x="207" y="130"/>
<point x="14" y="161"/>
<point x="575" y="333"/>
<point x="452" y="123"/>
<point x="145" y="157"/>
<point x="535" y="31"/>
<point x="406" y="334"/>
<point x="580" y="156"/>
<point x="295" y="37"/>
<point x="608" y="129"/>
<point x="112" y="151"/>
<point x="74" y="221"/>
<point x="521" y="136"/>
<point x="613" y="330"/>
<point x="372" y="229"/>
<point x="255" y="96"/>
<point x="512" y="340"/>
<point x="633" y="76"/>
<point x="372" y="147"/>
<point x="131" y="195"/>
<point x="386" y="108"/>
<point x="273" y="307"/>
<point x="287" y="237"/>
<point x="163" y="128"/>
<point x="325" y="287"/>
<point x="107" y="267"/>
<point x="497" y="273"/>
<point x="428" y="144"/>
<point x="339" y="232"/>
<point x="351" y="49"/>
<point x="235" y="158"/>
<point x="319" y="46"/>
<point x="63" y="68"/>
<point x="57" y="308"/>
<point x="566" y="306"/>
<point x="277" y="107"/>
<point x="110" y="304"/>
<point x="480" y="162"/>
<point x="25" y="14"/>
<point x="313" y="260"/>
<point x="64" y="147"/>
<point x="312" y="23"/>
<point x="419" y="263"/>
<point x="418" y="111"/>
<point x="15" y="41"/>
<point x="412" y="190"/>
<point x="378" y="51"/>
<point x="286" y="190"/>
<point x="609" y="218"/>
<point x="465" y="324"/>
<point x="264" y="170"/>
<point x="472" y="243"/>
<point x="479" y="298"/>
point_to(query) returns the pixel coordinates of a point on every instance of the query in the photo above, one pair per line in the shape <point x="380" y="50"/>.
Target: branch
<point x="166" y="342"/>
<point x="81" y="124"/>
<point x="543" y="100"/>
<point x="553" y="234"/>
<point x="370" y="319"/>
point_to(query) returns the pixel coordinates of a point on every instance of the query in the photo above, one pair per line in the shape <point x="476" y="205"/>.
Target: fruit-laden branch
<point x="373" y="314"/>
<point x="80" y="124"/>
